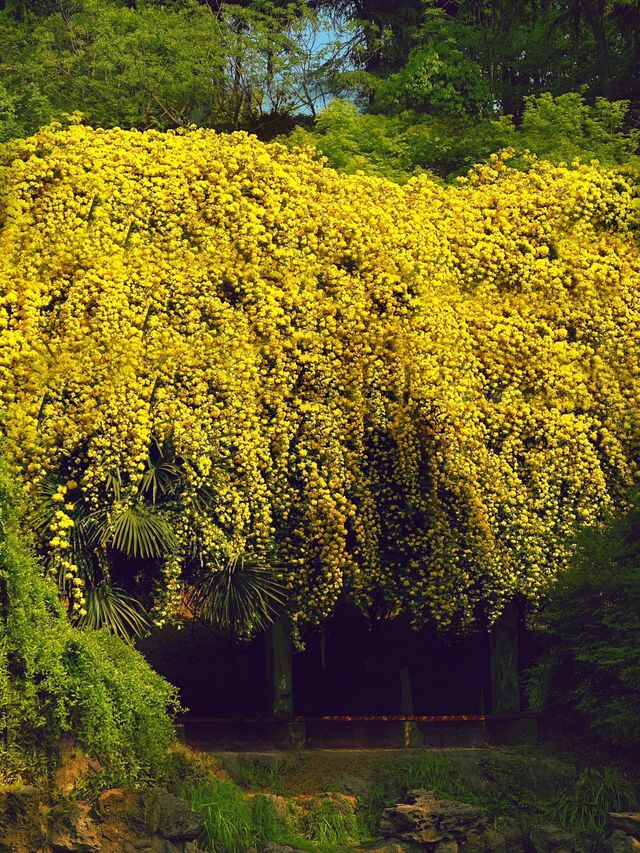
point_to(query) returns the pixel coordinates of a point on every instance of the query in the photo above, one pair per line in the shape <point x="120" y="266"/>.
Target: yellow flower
<point x="419" y="392"/>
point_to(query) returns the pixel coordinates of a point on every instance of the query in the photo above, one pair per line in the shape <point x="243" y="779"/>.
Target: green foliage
<point x="22" y="112"/>
<point x="267" y="823"/>
<point x="590" y="671"/>
<point x="114" y="609"/>
<point x="154" y="65"/>
<point x="566" y="127"/>
<point x="439" y="79"/>
<point x="399" y="146"/>
<point x="253" y="773"/>
<point x="235" y="822"/>
<point x="57" y="681"/>
<point x="432" y="771"/>
<point x="328" y="825"/>
<point x="596" y="793"/>
<point x="386" y="790"/>
<point x="228" y="819"/>
<point x="243" y="596"/>
<point x="405" y="144"/>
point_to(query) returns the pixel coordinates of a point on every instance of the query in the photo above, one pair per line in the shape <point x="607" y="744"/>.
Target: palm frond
<point x="139" y="531"/>
<point x="112" y="608"/>
<point x="163" y="472"/>
<point x="113" y="483"/>
<point x="43" y="507"/>
<point x="242" y="596"/>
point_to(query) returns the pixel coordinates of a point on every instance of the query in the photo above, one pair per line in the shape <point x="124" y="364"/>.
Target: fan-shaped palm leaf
<point x="139" y="531"/>
<point x="242" y="596"/>
<point x="112" y="608"/>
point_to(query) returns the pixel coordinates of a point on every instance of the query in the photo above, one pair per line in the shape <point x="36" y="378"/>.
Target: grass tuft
<point x="596" y="793"/>
<point x="229" y="826"/>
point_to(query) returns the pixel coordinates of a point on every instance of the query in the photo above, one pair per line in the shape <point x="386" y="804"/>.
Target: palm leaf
<point x="242" y="596"/>
<point x="114" y="609"/>
<point x="139" y="531"/>
<point x="43" y="507"/>
<point x="162" y="474"/>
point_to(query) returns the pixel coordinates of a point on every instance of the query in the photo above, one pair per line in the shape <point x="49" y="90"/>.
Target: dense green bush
<point x="56" y="680"/>
<point x="590" y="671"/>
<point x="406" y="143"/>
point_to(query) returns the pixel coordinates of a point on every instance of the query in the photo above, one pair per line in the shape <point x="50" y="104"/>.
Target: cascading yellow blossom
<point x="418" y="393"/>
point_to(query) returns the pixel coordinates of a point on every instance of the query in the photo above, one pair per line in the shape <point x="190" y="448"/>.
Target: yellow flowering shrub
<point x="418" y="393"/>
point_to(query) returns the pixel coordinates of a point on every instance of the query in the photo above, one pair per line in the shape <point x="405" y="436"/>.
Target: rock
<point x="75" y="766"/>
<point x="176" y="820"/>
<point x="71" y="829"/>
<point x="426" y="820"/>
<point x="620" y="842"/>
<point x="124" y="807"/>
<point x="163" y="845"/>
<point x="150" y="812"/>
<point x="548" y="838"/>
<point x="626" y="822"/>
<point x="352" y="784"/>
<point x="390" y="845"/>
<point x="272" y="847"/>
<point x="447" y="847"/>
<point x="479" y="844"/>
<point x="22" y="820"/>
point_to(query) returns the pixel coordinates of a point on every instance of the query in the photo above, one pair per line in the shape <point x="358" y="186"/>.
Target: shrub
<point x="590" y="670"/>
<point x="56" y="680"/>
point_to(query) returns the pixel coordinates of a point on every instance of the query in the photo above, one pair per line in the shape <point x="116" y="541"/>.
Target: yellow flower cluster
<point x="419" y="392"/>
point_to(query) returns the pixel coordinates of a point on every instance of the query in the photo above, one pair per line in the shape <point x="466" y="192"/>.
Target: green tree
<point x="403" y="144"/>
<point x="170" y="66"/>
<point x="590" y="671"/>
<point x="23" y="112"/>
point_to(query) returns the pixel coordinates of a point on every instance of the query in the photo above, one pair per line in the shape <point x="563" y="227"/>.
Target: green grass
<point x="329" y="826"/>
<point x="236" y="824"/>
<point x="432" y="771"/>
<point x="229" y="825"/>
<point x="596" y="793"/>
<point x="254" y="774"/>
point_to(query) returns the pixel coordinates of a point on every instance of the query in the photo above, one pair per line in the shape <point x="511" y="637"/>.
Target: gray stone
<point x="478" y="844"/>
<point x="620" y="842"/>
<point x="426" y="820"/>
<point x="447" y="847"/>
<point x="176" y="820"/>
<point x="548" y="838"/>
<point x="627" y="822"/>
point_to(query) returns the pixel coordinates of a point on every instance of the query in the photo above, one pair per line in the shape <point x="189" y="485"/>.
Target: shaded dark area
<point x="352" y="667"/>
<point x="359" y="667"/>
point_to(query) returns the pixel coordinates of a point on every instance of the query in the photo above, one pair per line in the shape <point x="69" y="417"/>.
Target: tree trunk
<point x="505" y="675"/>
<point x="278" y="667"/>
